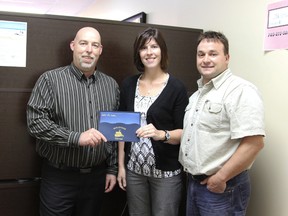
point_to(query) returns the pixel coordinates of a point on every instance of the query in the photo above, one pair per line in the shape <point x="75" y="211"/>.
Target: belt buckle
<point x="85" y="170"/>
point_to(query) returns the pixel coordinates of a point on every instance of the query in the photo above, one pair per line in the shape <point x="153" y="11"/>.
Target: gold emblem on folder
<point x="118" y="134"/>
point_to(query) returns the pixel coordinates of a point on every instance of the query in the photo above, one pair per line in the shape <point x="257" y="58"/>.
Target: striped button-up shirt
<point x="63" y="104"/>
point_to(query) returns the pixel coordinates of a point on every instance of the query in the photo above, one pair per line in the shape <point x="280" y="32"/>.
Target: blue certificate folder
<point x="119" y="126"/>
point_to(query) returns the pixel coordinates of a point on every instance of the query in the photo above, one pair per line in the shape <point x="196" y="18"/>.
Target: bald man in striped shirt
<point x="79" y="165"/>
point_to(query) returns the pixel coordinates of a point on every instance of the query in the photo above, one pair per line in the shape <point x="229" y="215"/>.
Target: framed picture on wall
<point x="137" y="18"/>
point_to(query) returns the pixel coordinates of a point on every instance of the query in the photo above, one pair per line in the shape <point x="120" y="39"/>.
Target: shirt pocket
<point x="211" y="117"/>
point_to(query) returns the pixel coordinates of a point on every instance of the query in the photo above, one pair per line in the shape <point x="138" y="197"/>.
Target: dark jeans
<point x="68" y="192"/>
<point x="233" y="202"/>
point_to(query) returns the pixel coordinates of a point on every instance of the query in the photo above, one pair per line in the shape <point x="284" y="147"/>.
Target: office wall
<point x="243" y="22"/>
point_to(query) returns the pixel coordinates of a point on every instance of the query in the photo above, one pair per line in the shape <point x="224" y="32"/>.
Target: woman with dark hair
<point x="149" y="170"/>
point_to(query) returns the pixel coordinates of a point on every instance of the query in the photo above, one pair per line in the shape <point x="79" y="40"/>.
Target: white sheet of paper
<point x="13" y="43"/>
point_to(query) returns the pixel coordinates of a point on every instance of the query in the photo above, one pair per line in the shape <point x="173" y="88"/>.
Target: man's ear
<point x="101" y="49"/>
<point x="227" y="57"/>
<point x="72" y="45"/>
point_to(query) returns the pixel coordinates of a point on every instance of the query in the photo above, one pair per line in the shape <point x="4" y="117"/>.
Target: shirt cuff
<point x="73" y="139"/>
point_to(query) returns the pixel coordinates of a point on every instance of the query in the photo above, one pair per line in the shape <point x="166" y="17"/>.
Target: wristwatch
<point x="167" y="135"/>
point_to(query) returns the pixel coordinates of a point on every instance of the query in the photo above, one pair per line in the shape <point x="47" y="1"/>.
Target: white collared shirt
<point x="218" y="116"/>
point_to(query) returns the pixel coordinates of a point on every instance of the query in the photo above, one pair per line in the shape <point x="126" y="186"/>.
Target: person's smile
<point x="88" y="59"/>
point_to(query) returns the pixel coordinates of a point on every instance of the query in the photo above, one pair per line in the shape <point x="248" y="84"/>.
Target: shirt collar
<point x="79" y="75"/>
<point x="217" y="81"/>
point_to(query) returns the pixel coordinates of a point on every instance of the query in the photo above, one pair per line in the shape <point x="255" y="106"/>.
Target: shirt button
<point x="186" y="154"/>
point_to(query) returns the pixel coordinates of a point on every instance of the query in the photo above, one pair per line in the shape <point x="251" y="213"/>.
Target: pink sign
<point x="276" y="34"/>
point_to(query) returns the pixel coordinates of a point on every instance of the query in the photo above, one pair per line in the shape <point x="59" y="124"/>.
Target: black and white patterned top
<point x="142" y="157"/>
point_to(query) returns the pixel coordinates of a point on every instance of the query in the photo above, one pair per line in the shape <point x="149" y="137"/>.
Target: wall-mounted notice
<point x="13" y="43"/>
<point x="276" y="34"/>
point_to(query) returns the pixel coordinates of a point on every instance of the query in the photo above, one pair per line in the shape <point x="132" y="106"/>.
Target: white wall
<point x="243" y="23"/>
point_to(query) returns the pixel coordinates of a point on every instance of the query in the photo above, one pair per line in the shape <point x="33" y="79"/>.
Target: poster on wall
<point x="13" y="43"/>
<point x="276" y="34"/>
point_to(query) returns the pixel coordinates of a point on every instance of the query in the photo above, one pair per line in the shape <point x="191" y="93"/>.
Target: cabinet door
<point x="19" y="198"/>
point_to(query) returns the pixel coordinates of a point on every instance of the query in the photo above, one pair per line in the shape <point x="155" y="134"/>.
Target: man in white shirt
<point x="223" y="133"/>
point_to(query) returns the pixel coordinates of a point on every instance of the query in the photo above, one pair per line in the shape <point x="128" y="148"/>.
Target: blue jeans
<point x="233" y="202"/>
